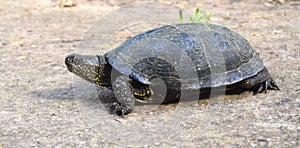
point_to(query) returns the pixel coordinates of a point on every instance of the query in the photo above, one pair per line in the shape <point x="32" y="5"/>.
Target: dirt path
<point x="40" y="102"/>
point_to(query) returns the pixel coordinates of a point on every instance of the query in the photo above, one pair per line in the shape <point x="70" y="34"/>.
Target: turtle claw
<point x="117" y="108"/>
<point x="266" y="87"/>
<point x="259" y="89"/>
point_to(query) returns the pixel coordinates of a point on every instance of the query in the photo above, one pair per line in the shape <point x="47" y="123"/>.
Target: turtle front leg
<point x="125" y="99"/>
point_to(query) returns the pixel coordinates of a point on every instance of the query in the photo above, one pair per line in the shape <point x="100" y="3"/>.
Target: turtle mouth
<point x="69" y="62"/>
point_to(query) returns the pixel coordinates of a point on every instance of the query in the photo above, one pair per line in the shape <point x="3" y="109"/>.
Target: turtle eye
<point x="77" y="60"/>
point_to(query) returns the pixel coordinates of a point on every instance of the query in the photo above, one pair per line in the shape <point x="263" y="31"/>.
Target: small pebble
<point x="282" y="102"/>
<point x="20" y="58"/>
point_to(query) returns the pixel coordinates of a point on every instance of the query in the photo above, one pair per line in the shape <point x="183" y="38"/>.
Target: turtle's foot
<point x="269" y="84"/>
<point x="119" y="109"/>
<point x="125" y="99"/>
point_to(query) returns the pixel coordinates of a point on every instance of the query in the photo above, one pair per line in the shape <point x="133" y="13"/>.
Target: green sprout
<point x="180" y="16"/>
<point x="198" y="17"/>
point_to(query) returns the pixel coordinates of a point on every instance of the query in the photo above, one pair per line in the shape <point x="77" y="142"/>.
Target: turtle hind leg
<point x="264" y="86"/>
<point x="125" y="99"/>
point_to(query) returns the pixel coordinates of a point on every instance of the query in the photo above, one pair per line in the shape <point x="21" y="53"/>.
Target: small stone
<point x="68" y="3"/>
<point x="20" y="58"/>
<point x="34" y="46"/>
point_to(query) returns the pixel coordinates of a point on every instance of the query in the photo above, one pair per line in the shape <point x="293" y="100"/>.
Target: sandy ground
<point x="43" y="105"/>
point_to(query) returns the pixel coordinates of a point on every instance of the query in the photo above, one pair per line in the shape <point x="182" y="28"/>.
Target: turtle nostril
<point x="71" y="56"/>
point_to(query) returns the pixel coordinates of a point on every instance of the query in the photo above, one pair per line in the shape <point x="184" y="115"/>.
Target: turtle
<point x="186" y="57"/>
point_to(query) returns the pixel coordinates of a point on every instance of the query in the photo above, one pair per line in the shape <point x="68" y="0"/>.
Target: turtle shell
<point x="198" y="55"/>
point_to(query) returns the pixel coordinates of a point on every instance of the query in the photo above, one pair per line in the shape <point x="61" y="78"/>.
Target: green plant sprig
<point x="198" y="17"/>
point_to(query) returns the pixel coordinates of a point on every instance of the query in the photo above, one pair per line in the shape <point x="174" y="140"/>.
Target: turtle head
<point x="92" y="68"/>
